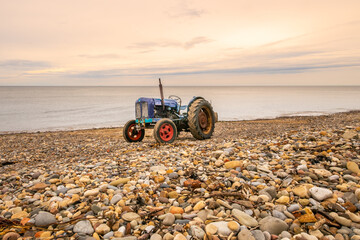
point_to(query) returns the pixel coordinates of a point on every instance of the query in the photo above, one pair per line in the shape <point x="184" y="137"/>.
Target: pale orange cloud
<point x="88" y="42"/>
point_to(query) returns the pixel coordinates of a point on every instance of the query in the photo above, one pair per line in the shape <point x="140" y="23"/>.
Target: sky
<point x="200" y="42"/>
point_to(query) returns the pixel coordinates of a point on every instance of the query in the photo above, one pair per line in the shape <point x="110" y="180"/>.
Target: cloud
<point x="46" y="71"/>
<point x="157" y="44"/>
<point x="235" y="55"/>
<point x="184" y="10"/>
<point x="196" y="41"/>
<point x="100" y="56"/>
<point x="24" y="64"/>
<point x="266" y="70"/>
<point x="159" y="72"/>
<point x="170" y="43"/>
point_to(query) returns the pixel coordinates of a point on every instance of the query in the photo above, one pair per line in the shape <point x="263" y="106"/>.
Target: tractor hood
<point x="168" y="103"/>
<point x="157" y="102"/>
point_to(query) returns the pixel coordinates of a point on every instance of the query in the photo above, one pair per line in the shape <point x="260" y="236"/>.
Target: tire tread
<point x="193" y="122"/>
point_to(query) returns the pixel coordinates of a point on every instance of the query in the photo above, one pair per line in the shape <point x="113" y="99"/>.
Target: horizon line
<point x="180" y="85"/>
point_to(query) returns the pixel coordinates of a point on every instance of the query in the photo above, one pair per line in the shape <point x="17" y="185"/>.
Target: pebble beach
<point x="284" y="178"/>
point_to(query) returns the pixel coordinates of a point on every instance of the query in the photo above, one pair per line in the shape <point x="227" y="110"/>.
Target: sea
<point x="32" y="109"/>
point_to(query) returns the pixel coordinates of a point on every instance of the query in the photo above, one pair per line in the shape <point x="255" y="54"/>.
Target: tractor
<point x="168" y="118"/>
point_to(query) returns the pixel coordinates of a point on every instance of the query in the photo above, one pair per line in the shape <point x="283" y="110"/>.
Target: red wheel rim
<point x="166" y="132"/>
<point x="132" y="133"/>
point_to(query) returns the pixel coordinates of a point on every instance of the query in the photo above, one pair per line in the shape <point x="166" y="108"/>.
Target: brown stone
<point x="19" y="215"/>
<point x="173" y="194"/>
<point x="119" y="181"/>
<point x="159" y="179"/>
<point x="301" y="191"/>
<point x="307" y="217"/>
<point x="233" y="164"/>
<point x="11" y="236"/>
<point x="353" y="167"/>
<point x="234" y="226"/>
<point x="176" y="210"/>
<point x="39" y="186"/>
<point x="283" y="200"/>
<point x="192" y="183"/>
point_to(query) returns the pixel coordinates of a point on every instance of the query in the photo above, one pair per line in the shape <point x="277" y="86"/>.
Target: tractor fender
<point x="193" y="100"/>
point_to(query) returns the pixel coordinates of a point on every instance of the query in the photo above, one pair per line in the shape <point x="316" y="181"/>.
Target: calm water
<point x="54" y="108"/>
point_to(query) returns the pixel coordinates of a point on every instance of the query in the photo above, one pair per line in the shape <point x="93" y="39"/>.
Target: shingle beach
<point x="284" y="178"/>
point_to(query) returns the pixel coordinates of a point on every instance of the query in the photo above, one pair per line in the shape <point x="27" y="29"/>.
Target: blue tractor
<point x="168" y="117"/>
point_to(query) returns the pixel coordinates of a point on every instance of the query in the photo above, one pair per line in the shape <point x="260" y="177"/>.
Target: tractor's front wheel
<point x="165" y="131"/>
<point x="201" y="119"/>
<point x="131" y="134"/>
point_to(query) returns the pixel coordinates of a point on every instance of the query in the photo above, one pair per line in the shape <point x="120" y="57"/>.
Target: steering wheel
<point x="177" y="99"/>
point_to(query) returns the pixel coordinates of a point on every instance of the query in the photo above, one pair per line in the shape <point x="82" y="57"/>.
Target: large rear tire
<point x="131" y="134"/>
<point x="165" y="131"/>
<point x="201" y="119"/>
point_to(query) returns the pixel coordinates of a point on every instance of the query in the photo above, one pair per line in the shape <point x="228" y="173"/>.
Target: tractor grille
<point x="138" y="110"/>
<point x="144" y="108"/>
<point x="141" y="110"/>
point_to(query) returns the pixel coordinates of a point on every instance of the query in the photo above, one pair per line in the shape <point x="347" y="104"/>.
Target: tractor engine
<point x="152" y="108"/>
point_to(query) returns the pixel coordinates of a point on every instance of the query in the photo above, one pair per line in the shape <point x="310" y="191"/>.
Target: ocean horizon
<point x="51" y="108"/>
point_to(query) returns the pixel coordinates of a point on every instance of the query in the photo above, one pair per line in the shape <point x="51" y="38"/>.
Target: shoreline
<point x="120" y="127"/>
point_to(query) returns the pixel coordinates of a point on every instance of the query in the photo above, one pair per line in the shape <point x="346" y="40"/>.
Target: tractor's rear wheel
<point x="201" y="119"/>
<point x="131" y="134"/>
<point x="165" y="131"/>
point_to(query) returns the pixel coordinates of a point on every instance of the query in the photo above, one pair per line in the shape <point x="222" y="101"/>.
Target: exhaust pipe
<point x="162" y="95"/>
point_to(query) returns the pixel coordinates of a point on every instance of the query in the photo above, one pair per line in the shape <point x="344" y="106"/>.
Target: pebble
<point x="39" y="186"/>
<point x="353" y="167"/>
<point x="44" y="219"/>
<point x="168" y="236"/>
<point x="245" y="234"/>
<point x="200" y="205"/>
<point x="233" y="226"/>
<point x="301" y="191"/>
<point x="211" y="229"/>
<point x="283" y="200"/>
<point x="233" y="164"/>
<point x="279" y="215"/>
<point x="84" y="227"/>
<point x="173" y="175"/>
<point x="273" y="225"/>
<point x="129" y="216"/>
<point x="126" y="238"/>
<point x="270" y="179"/>
<point x="102" y="229"/>
<point x="11" y="236"/>
<point x="108" y="235"/>
<point x="156" y="236"/>
<point x="258" y="234"/>
<point x="96" y="209"/>
<point x="115" y="199"/>
<point x="119" y="181"/>
<point x="169" y="219"/>
<point x="149" y="229"/>
<point x="176" y="210"/>
<point x="320" y="194"/>
<point x="222" y="228"/>
<point x="197" y="232"/>
<point x="293" y="207"/>
<point x="244" y="218"/>
<point x="92" y="192"/>
<point x="180" y="236"/>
